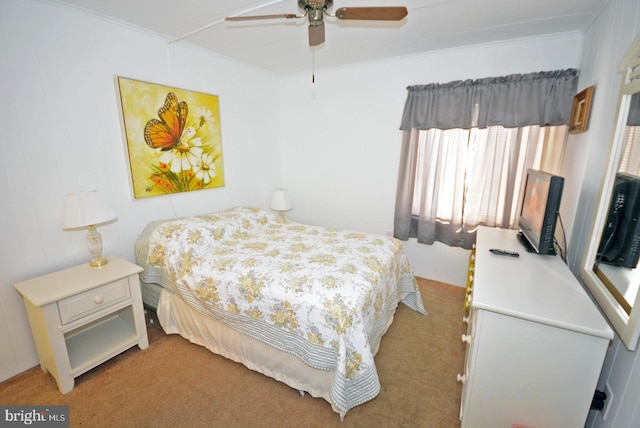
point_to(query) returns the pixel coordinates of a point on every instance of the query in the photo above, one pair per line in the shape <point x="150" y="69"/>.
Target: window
<point x="466" y="146"/>
<point x="630" y="162"/>
<point x="474" y="176"/>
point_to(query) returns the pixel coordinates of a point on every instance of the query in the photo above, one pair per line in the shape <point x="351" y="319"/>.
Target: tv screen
<point x="540" y="207"/>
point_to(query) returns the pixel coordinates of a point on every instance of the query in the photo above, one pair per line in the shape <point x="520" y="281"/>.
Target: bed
<point x="305" y="305"/>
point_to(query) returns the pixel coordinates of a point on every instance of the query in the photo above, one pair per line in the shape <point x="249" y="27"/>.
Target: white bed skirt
<point x="176" y="317"/>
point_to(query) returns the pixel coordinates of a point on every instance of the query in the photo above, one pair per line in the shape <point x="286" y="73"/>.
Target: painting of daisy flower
<point x="173" y="138"/>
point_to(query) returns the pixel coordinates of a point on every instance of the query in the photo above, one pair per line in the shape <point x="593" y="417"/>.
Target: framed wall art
<point x="580" y="111"/>
<point x="173" y="138"/>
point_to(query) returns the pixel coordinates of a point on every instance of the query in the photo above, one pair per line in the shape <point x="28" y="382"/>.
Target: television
<point x="539" y="212"/>
<point x="620" y="241"/>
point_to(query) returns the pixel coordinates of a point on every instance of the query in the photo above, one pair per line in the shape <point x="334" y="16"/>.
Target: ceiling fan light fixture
<point x="316" y="34"/>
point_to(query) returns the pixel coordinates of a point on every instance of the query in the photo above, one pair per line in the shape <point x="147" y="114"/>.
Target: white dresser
<point x="535" y="341"/>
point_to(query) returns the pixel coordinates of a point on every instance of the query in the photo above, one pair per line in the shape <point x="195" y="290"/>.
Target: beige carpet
<point x="174" y="383"/>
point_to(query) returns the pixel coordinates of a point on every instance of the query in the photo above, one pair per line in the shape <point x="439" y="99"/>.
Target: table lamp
<point x="280" y="202"/>
<point x="86" y="209"/>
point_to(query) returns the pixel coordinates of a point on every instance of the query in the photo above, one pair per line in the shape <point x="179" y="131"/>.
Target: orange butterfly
<point x="164" y="134"/>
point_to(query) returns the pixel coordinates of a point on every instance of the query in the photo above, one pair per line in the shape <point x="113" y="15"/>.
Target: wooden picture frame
<point x="580" y="111"/>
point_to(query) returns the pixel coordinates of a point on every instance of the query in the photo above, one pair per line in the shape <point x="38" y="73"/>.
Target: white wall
<point x="341" y="143"/>
<point x="61" y="132"/>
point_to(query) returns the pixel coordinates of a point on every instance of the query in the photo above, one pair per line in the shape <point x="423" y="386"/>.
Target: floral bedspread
<point x="322" y="294"/>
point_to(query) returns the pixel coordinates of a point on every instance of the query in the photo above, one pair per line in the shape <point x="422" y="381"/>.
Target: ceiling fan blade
<point x="250" y="18"/>
<point x="316" y="34"/>
<point x="372" y="13"/>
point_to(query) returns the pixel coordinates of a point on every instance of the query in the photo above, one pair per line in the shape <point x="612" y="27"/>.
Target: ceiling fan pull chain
<point x="313" y="65"/>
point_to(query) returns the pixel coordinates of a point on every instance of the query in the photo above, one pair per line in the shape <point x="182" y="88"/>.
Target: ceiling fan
<point x="315" y="10"/>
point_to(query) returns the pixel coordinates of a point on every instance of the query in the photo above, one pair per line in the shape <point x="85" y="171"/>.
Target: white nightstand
<point x="82" y="316"/>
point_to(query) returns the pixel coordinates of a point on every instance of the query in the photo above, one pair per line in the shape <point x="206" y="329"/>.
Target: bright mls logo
<point x="34" y="416"/>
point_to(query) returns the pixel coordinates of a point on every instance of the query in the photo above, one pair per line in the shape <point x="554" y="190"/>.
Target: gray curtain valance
<point x="544" y="98"/>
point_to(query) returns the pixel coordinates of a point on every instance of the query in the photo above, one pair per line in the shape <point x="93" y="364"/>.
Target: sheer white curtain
<point x="466" y="146"/>
<point x="630" y="162"/>
<point x="468" y="177"/>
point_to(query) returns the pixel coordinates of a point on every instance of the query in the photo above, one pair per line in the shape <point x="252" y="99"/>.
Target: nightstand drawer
<point x="80" y="305"/>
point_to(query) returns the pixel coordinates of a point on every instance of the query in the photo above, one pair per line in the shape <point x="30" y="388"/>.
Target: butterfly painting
<point x="173" y="138"/>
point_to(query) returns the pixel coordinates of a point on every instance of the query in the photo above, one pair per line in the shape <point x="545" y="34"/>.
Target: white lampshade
<point x="280" y="201"/>
<point x="85" y="209"/>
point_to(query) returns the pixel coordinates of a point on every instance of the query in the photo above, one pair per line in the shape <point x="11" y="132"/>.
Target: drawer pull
<point x="466" y="338"/>
<point x="465" y="320"/>
<point x="462" y="378"/>
<point x="98" y="300"/>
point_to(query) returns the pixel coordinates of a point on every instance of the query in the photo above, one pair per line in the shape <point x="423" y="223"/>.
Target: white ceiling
<point x="281" y="44"/>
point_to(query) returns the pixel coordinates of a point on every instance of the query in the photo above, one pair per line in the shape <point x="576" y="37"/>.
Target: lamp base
<point x="98" y="262"/>
<point x="95" y="246"/>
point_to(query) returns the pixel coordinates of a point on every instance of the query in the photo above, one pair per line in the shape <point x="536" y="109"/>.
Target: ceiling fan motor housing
<point x="315" y="17"/>
<point x="311" y="4"/>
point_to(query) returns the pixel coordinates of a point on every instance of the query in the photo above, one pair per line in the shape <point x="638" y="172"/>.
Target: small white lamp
<point x="280" y="201"/>
<point x="86" y="209"/>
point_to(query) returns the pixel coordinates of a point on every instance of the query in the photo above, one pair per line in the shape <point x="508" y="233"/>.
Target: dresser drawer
<point x="80" y="305"/>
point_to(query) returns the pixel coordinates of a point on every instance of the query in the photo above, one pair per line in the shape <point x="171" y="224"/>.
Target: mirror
<point x="610" y="267"/>
<point x="619" y="248"/>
